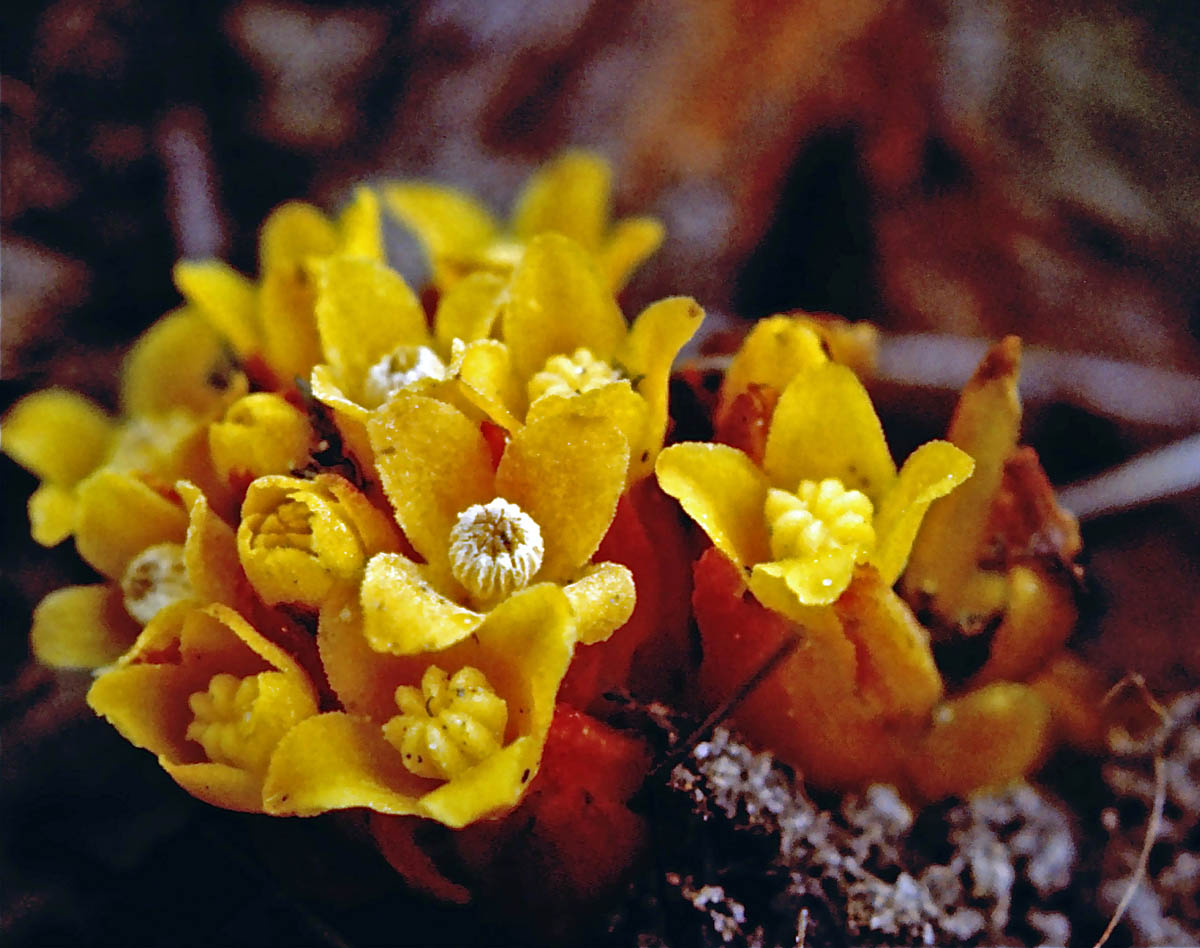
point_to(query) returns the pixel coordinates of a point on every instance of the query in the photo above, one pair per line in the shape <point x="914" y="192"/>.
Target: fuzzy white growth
<point x="154" y="579"/>
<point x="398" y="369"/>
<point x="495" y="549"/>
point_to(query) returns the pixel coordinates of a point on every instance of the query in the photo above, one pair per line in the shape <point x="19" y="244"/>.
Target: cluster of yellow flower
<point x="358" y="542"/>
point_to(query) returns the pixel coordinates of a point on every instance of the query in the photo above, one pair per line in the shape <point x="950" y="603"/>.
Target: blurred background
<point x="969" y="168"/>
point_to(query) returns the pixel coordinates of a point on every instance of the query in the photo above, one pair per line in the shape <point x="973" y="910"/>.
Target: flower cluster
<point x="364" y="547"/>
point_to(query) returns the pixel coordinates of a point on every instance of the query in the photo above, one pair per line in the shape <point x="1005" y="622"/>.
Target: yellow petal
<point x="350" y="417"/>
<point x="147" y="704"/>
<point x="364" y="310"/>
<point x="468" y="309"/>
<point x="210" y="551"/>
<point x="771" y="354"/>
<point x="434" y="464"/>
<point x="930" y="472"/>
<point x="654" y="341"/>
<point x="569" y="195"/>
<point x="57" y="435"/>
<point x="825" y="426"/>
<point x="291" y="342"/>
<point x="567" y="472"/>
<point x="987" y="737"/>
<point x="1038" y="620"/>
<point x="814" y="581"/>
<point x="602" y="600"/>
<point x="292" y="233"/>
<point x="181" y="362"/>
<point x="629" y="244"/>
<point x="360" y="230"/>
<point x="218" y="784"/>
<point x="119" y="516"/>
<point x="483" y="369"/>
<point x="724" y="492"/>
<point x="617" y="402"/>
<point x="81" y="627"/>
<point x="261" y="433"/>
<point x="944" y="564"/>
<point x="51" y="514"/>
<point x="896" y="674"/>
<point x="227" y="299"/>
<point x="559" y="303"/>
<point x="449" y="224"/>
<point x="404" y="615"/>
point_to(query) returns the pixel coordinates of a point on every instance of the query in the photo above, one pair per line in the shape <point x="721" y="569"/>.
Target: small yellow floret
<point x="819" y="516"/>
<point x="154" y="579"/>
<point x="572" y="375"/>
<point x="237" y="722"/>
<point x="495" y="549"/>
<point x="449" y="724"/>
<point x="398" y="369"/>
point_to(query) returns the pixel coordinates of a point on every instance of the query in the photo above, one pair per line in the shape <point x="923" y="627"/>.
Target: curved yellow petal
<point x="364" y="310"/>
<point x="210" y="551"/>
<point x="433" y="463"/>
<point x="602" y="600"/>
<point x="567" y="472"/>
<point x="291" y="234"/>
<point x="51" y="514"/>
<point x="261" y="433"/>
<point x="449" y="224"/>
<point x="468" y="310"/>
<point x="350" y="417"/>
<point x="291" y="342"/>
<point x="227" y="299"/>
<point x="119" y="516"/>
<point x="81" y="627"/>
<point x="404" y="615"/>
<point x="147" y="704"/>
<point x="617" y="402"/>
<point x="825" y="426"/>
<point x="360" y="231"/>
<point x="629" y="244"/>
<point x="724" y="492"/>
<point x="654" y="341"/>
<point x="181" y="362"/>
<point x="484" y="372"/>
<point x="218" y="784"/>
<point x="814" y="581"/>
<point x="930" y="472"/>
<point x="569" y="195"/>
<point x="771" y="355"/>
<point x="558" y="302"/>
<point x="59" y="436"/>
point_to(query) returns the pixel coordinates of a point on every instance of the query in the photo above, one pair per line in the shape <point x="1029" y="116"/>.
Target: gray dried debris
<point x="983" y="871"/>
<point x="1165" y="909"/>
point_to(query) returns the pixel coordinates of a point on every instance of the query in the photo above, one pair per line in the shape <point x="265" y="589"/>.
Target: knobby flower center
<point x="819" y="517"/>
<point x="289" y="525"/>
<point x="495" y="549"/>
<point x="449" y="724"/>
<point x="154" y="579"/>
<point x="572" y="375"/>
<point x="237" y="723"/>
<point x="399" y="369"/>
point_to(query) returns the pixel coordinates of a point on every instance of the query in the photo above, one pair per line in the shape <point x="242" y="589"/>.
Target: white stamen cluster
<point x="495" y="549"/>
<point x="154" y="579"/>
<point x="817" y="517"/>
<point x="398" y="369"/>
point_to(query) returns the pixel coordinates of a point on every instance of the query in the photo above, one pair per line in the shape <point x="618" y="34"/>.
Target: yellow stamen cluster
<point x="288" y="525"/>
<point x="818" y="517"/>
<point x="398" y="369"/>
<point x="230" y="722"/>
<point x="572" y="375"/>
<point x="449" y="724"/>
<point x="495" y="549"/>
<point x="154" y="579"/>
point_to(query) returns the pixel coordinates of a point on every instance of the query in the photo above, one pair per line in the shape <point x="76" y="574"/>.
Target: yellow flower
<point x="569" y="350"/>
<point x="298" y="539"/>
<point x="271" y="325"/>
<point x="455" y="735"/>
<point x="570" y="196"/>
<point x="156" y="553"/>
<point x="826" y="498"/>
<point x="487" y="531"/>
<point x="261" y="433"/>
<point x="211" y="697"/>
